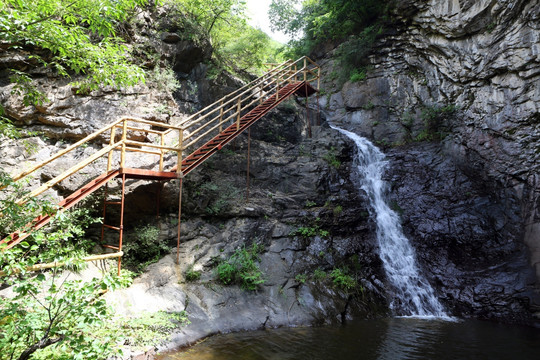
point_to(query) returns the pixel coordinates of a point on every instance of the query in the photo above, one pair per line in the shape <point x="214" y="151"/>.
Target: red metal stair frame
<point x="70" y="201"/>
<point x="211" y="147"/>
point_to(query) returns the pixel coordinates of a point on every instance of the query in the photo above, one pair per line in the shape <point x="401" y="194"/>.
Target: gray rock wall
<point x="481" y="58"/>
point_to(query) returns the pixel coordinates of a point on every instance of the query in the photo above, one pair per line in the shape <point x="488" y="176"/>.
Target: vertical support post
<point x="221" y="116"/>
<point x="105" y="195"/>
<point x="305" y="69"/>
<point x="111" y="142"/>
<point x="318" y="79"/>
<point x="122" y="205"/>
<point x="179" y="218"/>
<point x="318" y="110"/>
<point x="277" y="87"/>
<point x="238" y="109"/>
<point x="124" y="137"/>
<point x="158" y="195"/>
<point x="161" y="142"/>
<point x="307" y="112"/>
<point x="248" y="156"/>
<point x="180" y="149"/>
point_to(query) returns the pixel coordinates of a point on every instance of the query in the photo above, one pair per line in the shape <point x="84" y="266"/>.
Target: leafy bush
<point x="435" y="120"/>
<point x="358" y="75"/>
<point x="145" y="249"/>
<point x="342" y="279"/>
<point x="241" y="268"/>
<point x="164" y="79"/>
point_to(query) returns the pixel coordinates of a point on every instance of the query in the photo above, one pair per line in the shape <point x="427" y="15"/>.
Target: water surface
<point x="393" y="338"/>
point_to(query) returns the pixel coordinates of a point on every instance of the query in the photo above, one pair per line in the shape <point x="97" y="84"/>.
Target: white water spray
<point x="414" y="296"/>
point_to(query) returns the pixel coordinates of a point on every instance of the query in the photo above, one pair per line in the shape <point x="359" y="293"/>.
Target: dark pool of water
<point x="396" y="338"/>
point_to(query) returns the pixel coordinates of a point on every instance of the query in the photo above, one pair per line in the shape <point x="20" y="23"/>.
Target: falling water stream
<point x="413" y="295"/>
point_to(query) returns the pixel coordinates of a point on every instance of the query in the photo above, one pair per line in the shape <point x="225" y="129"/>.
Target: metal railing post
<point x="180" y="149"/>
<point x="221" y="116"/>
<point x="111" y="142"/>
<point x="305" y="69"/>
<point x="162" y="143"/>
<point x="238" y="109"/>
<point x="124" y="138"/>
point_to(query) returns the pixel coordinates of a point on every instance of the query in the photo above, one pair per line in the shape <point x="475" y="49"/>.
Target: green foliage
<point x="341" y="278"/>
<point x="331" y="158"/>
<point x="358" y="75"/>
<point x="436" y="122"/>
<point x="50" y="317"/>
<point x="164" y="79"/>
<point x="144" y="249"/>
<point x="310" y="203"/>
<point x="192" y="275"/>
<point x="62" y="315"/>
<point x="319" y="274"/>
<point x="301" y="278"/>
<point x="238" y="47"/>
<point x="79" y="35"/>
<point x="147" y="329"/>
<point x="241" y="268"/>
<point x="310" y="231"/>
<point x="326" y="20"/>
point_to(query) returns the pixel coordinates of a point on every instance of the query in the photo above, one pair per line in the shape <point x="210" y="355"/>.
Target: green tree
<point x="209" y="14"/>
<point x="47" y="311"/>
<point x="317" y="21"/>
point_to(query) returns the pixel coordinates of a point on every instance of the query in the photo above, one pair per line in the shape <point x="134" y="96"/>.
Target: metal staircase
<point x="200" y="135"/>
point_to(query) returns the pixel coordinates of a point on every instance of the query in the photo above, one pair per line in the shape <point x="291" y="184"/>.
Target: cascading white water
<point x="414" y="296"/>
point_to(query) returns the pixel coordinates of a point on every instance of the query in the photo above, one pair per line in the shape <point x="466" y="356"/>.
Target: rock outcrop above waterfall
<point x="469" y="201"/>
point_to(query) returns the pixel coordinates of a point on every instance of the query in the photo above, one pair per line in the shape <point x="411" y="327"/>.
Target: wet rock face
<point x="481" y="60"/>
<point x="468" y="239"/>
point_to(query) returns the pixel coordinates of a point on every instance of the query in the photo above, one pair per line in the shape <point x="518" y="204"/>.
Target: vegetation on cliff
<point x="352" y="24"/>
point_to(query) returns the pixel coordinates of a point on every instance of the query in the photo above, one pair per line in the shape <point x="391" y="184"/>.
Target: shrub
<point x="342" y="279"/>
<point x="358" y="75"/>
<point x="145" y="250"/>
<point x="241" y="268"/>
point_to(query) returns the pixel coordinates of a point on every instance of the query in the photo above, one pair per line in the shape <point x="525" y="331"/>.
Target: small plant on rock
<point x="342" y="279"/>
<point x="301" y="278"/>
<point x="241" y="268"/>
<point x="192" y="275"/>
<point x="331" y="158"/>
<point x="319" y="274"/>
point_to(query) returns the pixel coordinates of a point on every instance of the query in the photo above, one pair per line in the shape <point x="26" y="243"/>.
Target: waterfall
<point x="414" y="296"/>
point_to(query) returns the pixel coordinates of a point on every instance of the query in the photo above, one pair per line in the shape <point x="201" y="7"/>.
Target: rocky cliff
<point x="463" y="74"/>
<point x="466" y="75"/>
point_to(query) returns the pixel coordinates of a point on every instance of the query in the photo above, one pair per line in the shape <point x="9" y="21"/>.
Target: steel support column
<point x="122" y="206"/>
<point x="179" y="217"/>
<point x="248" y="158"/>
